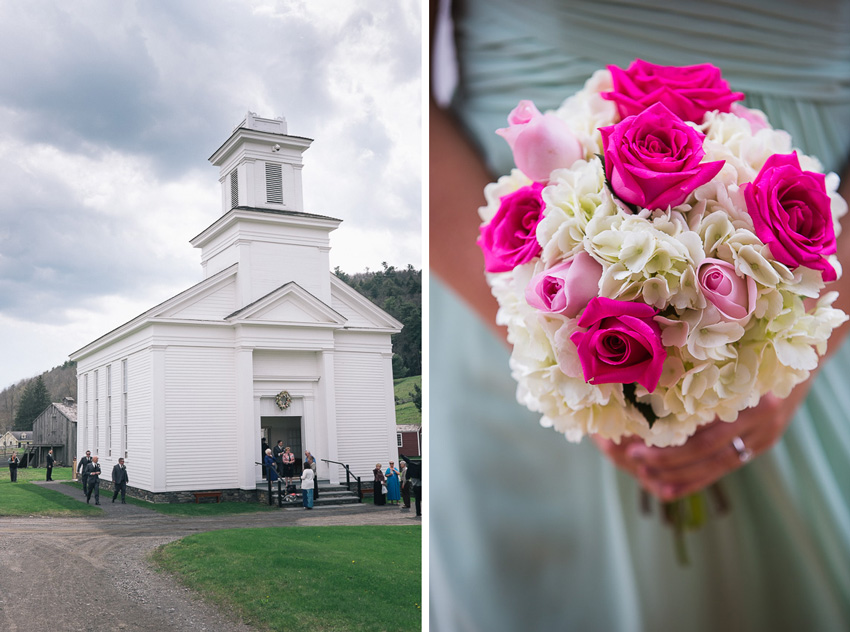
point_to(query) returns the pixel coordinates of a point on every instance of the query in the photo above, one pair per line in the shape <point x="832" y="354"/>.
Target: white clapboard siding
<point x="362" y="415"/>
<point x="200" y="405"/>
<point x="213" y="306"/>
<point x="276" y="264"/>
<point x="141" y="459"/>
<point x="353" y="317"/>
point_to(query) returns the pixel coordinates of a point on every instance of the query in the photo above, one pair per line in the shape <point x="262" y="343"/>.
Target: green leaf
<point x="642" y="408"/>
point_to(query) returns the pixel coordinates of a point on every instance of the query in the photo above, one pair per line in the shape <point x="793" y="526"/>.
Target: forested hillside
<point x="399" y="293"/>
<point x="61" y="381"/>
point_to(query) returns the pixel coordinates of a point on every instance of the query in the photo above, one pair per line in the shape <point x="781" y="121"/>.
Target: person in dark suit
<point x="278" y="459"/>
<point x="50" y="462"/>
<point x="120" y="480"/>
<point x="81" y="469"/>
<point x="263" y="447"/>
<point x="93" y="472"/>
<point x="13" y="467"/>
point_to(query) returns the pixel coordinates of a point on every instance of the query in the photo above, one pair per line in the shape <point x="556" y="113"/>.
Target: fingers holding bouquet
<point x="712" y="452"/>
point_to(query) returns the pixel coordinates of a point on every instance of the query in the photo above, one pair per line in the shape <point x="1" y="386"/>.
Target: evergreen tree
<point x="34" y="400"/>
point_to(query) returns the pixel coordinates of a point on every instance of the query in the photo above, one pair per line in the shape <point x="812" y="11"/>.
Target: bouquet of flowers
<point x="659" y="255"/>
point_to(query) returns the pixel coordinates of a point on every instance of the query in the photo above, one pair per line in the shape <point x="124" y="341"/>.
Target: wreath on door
<point x="283" y="400"/>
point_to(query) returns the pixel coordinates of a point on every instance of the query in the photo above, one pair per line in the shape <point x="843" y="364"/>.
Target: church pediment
<point x="359" y="311"/>
<point x="289" y="304"/>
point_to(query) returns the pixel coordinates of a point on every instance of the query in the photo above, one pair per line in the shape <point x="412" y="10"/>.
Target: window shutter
<point x="274" y="183"/>
<point x="234" y="189"/>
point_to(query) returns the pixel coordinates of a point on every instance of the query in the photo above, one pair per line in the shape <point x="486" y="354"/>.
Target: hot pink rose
<point x="688" y="91"/>
<point x="567" y="287"/>
<point x="510" y="238"/>
<point x="792" y="214"/>
<point x="622" y="344"/>
<point x="733" y="296"/>
<point x="541" y="142"/>
<point x="653" y="159"/>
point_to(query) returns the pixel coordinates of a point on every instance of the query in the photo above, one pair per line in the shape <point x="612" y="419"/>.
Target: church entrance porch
<point x="286" y="429"/>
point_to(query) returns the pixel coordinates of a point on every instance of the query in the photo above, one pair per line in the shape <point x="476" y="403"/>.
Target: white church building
<point x="269" y="345"/>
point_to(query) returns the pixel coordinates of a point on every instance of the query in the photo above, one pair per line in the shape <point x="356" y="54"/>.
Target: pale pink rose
<point x="792" y="214"/>
<point x="732" y="295"/>
<point x="541" y="143"/>
<point x="510" y="238"/>
<point x="622" y="344"/>
<point x="565" y="288"/>
<point x="756" y="120"/>
<point x="688" y="91"/>
<point x="652" y="160"/>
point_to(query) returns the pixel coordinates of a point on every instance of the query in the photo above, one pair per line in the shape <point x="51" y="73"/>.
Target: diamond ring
<point x="744" y="453"/>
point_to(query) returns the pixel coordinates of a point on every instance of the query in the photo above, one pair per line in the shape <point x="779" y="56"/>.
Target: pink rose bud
<point x="541" y="143"/>
<point x="687" y="91"/>
<point x="510" y="238"/>
<point x="622" y="344"/>
<point x="792" y="214"/>
<point x="652" y="160"/>
<point x="565" y="288"/>
<point x="733" y="296"/>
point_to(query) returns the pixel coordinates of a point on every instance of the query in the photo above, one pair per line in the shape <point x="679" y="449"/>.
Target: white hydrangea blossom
<point x="715" y="367"/>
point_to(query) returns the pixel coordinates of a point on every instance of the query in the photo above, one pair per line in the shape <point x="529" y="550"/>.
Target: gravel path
<point x="91" y="573"/>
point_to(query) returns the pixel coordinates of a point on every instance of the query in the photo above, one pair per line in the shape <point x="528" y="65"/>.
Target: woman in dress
<point x="573" y="552"/>
<point x="13" y="467"/>
<point x="393" y="485"/>
<point x="377" y="485"/>
<point x="288" y="459"/>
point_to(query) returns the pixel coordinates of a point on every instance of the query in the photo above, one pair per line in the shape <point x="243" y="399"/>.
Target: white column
<point x="159" y="429"/>
<point x="247" y="423"/>
<point x="327" y="393"/>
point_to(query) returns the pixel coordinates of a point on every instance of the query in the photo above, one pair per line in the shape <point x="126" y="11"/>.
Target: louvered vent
<point x="234" y="189"/>
<point x="274" y="184"/>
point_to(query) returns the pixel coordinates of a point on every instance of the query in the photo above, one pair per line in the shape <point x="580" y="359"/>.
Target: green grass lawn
<point x="25" y="499"/>
<point x="406" y="412"/>
<point x="353" y="579"/>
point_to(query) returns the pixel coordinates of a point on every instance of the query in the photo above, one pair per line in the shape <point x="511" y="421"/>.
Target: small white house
<point x="269" y="345"/>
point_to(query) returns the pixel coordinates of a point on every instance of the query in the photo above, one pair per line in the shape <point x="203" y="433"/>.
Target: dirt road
<point x="74" y="574"/>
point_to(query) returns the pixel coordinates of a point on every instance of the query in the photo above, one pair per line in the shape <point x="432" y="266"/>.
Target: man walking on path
<point x="93" y="471"/>
<point x="119" y="480"/>
<point x="81" y="469"/>
<point x="50" y="462"/>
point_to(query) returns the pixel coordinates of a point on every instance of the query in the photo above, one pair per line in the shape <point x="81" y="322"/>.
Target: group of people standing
<point x="393" y="485"/>
<point x="89" y="470"/>
<point x="279" y="463"/>
<point x="15" y="462"/>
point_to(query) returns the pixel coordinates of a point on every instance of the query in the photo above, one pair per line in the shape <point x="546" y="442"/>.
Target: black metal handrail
<point x="348" y="476"/>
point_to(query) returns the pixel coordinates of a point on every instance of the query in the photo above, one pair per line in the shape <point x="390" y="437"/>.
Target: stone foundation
<point x="238" y="495"/>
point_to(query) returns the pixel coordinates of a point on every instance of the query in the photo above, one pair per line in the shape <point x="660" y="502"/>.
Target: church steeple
<point x="260" y="166"/>
<point x="263" y="227"/>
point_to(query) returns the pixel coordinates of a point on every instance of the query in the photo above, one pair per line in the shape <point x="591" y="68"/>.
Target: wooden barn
<point x="55" y="428"/>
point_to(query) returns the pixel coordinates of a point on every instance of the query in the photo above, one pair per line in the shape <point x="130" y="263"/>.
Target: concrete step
<point x="328" y="494"/>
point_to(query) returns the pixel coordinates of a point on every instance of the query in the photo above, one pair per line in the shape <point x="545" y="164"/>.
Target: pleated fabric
<point x="528" y="531"/>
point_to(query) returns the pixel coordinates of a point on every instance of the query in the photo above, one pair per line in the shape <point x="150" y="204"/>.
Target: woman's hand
<point x="673" y="472"/>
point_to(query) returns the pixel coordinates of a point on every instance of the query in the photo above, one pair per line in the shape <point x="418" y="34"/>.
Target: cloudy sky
<point x="109" y="111"/>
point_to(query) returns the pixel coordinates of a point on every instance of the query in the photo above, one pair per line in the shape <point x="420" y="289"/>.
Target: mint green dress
<point x="530" y="532"/>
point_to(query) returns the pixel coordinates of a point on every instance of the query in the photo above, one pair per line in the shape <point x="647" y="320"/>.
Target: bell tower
<point x="263" y="227"/>
<point x="260" y="166"/>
